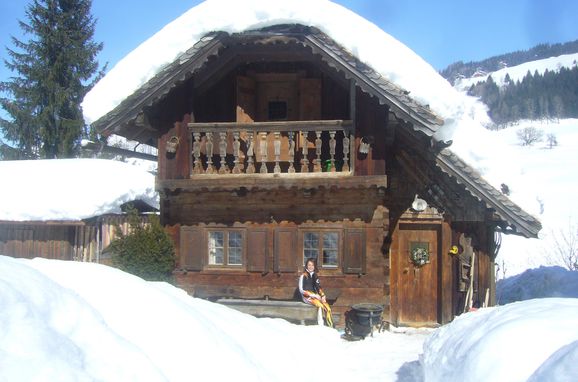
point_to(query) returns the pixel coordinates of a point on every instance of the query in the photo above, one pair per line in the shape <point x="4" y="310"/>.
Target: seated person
<point x="311" y="292"/>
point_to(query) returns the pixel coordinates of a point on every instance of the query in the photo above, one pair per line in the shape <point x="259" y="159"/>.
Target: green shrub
<point x="146" y="250"/>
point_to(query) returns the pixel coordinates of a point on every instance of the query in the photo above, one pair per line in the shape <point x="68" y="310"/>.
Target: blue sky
<point x="442" y="31"/>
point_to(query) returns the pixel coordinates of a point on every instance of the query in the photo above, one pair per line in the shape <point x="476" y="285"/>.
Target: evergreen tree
<point x="54" y="70"/>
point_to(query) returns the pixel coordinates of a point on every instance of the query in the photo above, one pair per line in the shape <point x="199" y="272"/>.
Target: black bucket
<point x="361" y="319"/>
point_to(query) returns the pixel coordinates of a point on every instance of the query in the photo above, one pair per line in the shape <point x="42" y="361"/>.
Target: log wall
<point x="275" y="235"/>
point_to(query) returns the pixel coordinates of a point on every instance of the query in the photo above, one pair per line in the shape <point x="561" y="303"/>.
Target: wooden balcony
<point x="270" y="147"/>
<point x="306" y="154"/>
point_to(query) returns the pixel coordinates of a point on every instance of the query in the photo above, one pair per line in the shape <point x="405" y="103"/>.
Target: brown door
<point x="415" y="289"/>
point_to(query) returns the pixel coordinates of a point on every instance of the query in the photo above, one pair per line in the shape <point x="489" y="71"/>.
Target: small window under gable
<point x="277" y="111"/>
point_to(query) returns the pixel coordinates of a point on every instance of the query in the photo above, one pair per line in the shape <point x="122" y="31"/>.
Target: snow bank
<point x="70" y="189"/>
<point x="80" y="321"/>
<point x="506" y="343"/>
<point x="49" y="333"/>
<point x="537" y="283"/>
<point x="71" y="321"/>
<point x="560" y="366"/>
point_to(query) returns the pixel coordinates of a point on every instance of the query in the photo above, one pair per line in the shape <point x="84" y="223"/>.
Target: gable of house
<point x="152" y="110"/>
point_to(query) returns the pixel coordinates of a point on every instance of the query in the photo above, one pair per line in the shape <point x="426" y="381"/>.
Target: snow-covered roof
<point x="71" y="189"/>
<point x="367" y="42"/>
<point x="125" y="120"/>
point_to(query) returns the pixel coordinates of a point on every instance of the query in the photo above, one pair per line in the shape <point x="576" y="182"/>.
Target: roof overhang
<point x="509" y="217"/>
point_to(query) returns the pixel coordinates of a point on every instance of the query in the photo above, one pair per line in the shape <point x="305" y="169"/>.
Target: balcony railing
<point x="271" y="147"/>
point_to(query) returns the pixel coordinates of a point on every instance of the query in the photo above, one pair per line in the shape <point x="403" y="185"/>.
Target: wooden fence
<point x="69" y="240"/>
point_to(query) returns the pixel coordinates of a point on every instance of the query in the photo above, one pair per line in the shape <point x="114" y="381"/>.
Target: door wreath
<point x="419" y="256"/>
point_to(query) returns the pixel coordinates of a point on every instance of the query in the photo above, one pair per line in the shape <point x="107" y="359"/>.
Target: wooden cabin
<point x="276" y="145"/>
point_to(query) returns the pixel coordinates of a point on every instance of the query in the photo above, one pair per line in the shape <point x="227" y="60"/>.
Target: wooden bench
<point x="292" y="311"/>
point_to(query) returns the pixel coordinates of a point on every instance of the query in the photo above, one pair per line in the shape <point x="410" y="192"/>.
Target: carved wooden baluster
<point x="223" y="152"/>
<point x="209" y="147"/>
<point x="318" y="151"/>
<point x="277" y="147"/>
<point x="250" y="153"/>
<point x="197" y="165"/>
<point x="345" y="151"/>
<point x="236" y="147"/>
<point x="332" y="149"/>
<point x="305" y="151"/>
<point x="291" y="153"/>
<point x="263" y="149"/>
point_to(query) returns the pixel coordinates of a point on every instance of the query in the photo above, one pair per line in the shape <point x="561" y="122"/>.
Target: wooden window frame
<point x="321" y="232"/>
<point x="226" y="232"/>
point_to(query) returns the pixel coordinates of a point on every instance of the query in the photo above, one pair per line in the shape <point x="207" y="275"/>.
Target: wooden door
<point x="415" y="289"/>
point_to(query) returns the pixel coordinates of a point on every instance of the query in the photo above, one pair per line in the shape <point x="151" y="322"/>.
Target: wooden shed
<point x="76" y="240"/>
<point x="277" y="144"/>
<point x="74" y="215"/>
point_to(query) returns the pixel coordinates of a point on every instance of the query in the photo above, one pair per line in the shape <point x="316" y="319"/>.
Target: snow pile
<point x="70" y="189"/>
<point x="71" y="321"/>
<point x="49" y="333"/>
<point x="507" y="343"/>
<point x="537" y="283"/>
<point x="518" y="72"/>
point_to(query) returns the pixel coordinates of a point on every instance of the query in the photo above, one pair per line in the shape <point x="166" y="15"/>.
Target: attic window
<point x="277" y="111"/>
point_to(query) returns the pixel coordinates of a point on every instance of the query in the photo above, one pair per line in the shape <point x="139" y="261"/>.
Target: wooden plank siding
<point x="51" y="241"/>
<point x="62" y="240"/>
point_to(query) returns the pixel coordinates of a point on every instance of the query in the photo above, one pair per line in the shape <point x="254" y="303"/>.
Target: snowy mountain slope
<point x="518" y="72"/>
<point x="545" y="184"/>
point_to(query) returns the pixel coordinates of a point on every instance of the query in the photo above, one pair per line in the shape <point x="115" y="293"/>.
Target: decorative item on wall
<point x="365" y="144"/>
<point x="419" y="253"/>
<point x="172" y="144"/>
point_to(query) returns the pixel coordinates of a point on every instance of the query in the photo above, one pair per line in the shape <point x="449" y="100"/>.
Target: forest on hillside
<point x="539" y="52"/>
<point x="552" y="95"/>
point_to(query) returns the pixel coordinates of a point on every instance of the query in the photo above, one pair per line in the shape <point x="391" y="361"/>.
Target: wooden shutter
<point x="285" y="250"/>
<point x="354" y="251"/>
<point x="257" y="250"/>
<point x="192" y="249"/>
